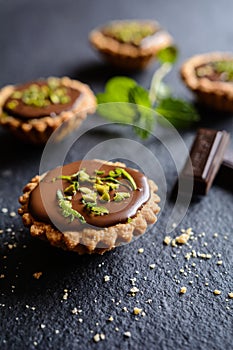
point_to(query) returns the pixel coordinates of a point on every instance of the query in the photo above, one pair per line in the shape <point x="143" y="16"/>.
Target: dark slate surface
<point x="50" y="38"/>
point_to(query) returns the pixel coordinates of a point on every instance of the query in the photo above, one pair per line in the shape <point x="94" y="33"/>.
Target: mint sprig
<point x="158" y="100"/>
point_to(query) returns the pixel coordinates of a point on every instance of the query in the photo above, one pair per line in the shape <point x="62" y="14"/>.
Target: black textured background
<point x="49" y="37"/>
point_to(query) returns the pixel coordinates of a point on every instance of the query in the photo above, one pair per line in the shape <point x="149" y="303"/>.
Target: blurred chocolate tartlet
<point x="89" y="206"/>
<point x="210" y="77"/>
<point x="130" y="44"/>
<point x="34" y="110"/>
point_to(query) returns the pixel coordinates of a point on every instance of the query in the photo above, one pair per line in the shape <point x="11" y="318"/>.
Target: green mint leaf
<point x="168" y="55"/>
<point x="143" y="117"/>
<point x="139" y="96"/>
<point x="178" y="112"/>
<point x="116" y="90"/>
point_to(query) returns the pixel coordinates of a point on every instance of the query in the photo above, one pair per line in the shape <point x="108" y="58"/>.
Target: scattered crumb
<point x="230" y="295"/>
<point x="183" y="290"/>
<point x="137" y="311"/>
<point x="140" y="250"/>
<point x="57" y="331"/>
<point x="110" y="319"/>
<point x="96" y="338"/>
<point x="12" y="214"/>
<point x="125" y="309"/>
<point x="37" y="275"/>
<point x="80" y="320"/>
<point x="167" y="240"/>
<point x="219" y="262"/>
<point x="215" y="234"/>
<point x="152" y="266"/>
<point x="102" y="336"/>
<point x="134" y="290"/>
<point x="127" y="334"/>
<point x="106" y="278"/>
<point x="4" y="210"/>
<point x="182" y="239"/>
<point x="42" y="326"/>
<point x="217" y="292"/>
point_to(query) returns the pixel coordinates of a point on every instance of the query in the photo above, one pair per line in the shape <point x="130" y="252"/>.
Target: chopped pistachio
<point x="12" y="104"/>
<point x="70" y="190"/>
<point x="83" y="176"/>
<point x="17" y="94"/>
<point x="90" y="197"/>
<point x="97" y="210"/>
<point x="99" y="172"/>
<point x="120" y="196"/>
<point x="101" y="189"/>
<point x="105" y="197"/>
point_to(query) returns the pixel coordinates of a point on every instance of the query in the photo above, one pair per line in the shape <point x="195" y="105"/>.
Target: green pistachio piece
<point x="128" y="177"/>
<point x="101" y="189"/>
<point x="12" y="104"/>
<point x="83" y="176"/>
<point x="70" y="190"/>
<point x="105" y="197"/>
<point x="64" y="99"/>
<point x="53" y="83"/>
<point x="99" y="172"/>
<point x="98" y="210"/>
<point x="85" y="190"/>
<point x="112" y="186"/>
<point x="54" y="98"/>
<point x="120" y="196"/>
<point x="90" y="197"/>
<point x="17" y="94"/>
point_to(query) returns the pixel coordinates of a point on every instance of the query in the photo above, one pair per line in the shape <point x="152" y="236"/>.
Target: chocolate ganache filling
<point x="88" y="193"/>
<point x="130" y="32"/>
<point x="216" y="71"/>
<point x="38" y="99"/>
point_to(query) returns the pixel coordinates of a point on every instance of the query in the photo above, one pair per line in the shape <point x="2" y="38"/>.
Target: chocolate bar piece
<point x="224" y="177"/>
<point x="206" y="156"/>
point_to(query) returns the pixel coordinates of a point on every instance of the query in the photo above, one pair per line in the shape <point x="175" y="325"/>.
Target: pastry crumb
<point x="134" y="290"/>
<point x="106" y="278"/>
<point x="127" y="334"/>
<point x="167" y="240"/>
<point x="152" y="266"/>
<point x="96" y="337"/>
<point x="183" y="290"/>
<point x="110" y="319"/>
<point x="217" y="292"/>
<point x="219" y="262"/>
<point x="230" y="295"/>
<point x="37" y="275"/>
<point x="140" y="250"/>
<point x="137" y="311"/>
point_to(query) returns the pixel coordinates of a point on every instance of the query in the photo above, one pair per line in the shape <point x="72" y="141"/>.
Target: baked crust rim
<point x="122" y="54"/>
<point x="204" y="88"/>
<point x="90" y="240"/>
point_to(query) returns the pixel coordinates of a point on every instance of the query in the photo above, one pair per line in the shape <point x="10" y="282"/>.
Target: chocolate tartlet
<point x="33" y="111"/>
<point x="130" y="44"/>
<point x="89" y="206"/>
<point x="210" y="77"/>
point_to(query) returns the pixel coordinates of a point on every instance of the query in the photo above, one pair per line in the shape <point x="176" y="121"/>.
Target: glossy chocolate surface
<point x="44" y="206"/>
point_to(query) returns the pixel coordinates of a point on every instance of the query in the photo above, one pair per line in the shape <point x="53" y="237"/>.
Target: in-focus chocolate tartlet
<point x="210" y="77"/>
<point x="130" y="44"/>
<point x="33" y="111"/>
<point x="89" y="206"/>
